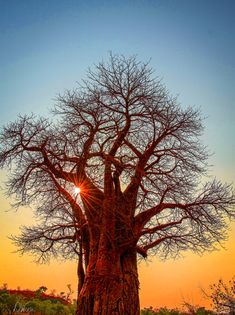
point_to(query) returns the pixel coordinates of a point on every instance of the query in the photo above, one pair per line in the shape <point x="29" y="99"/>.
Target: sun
<point x="77" y="190"/>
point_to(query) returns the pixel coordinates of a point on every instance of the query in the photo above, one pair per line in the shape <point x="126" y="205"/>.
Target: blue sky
<point x="47" y="45"/>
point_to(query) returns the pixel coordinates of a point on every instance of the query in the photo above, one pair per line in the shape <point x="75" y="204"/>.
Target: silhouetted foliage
<point x="222" y="295"/>
<point x="136" y="156"/>
<point x="196" y="309"/>
<point x="192" y="310"/>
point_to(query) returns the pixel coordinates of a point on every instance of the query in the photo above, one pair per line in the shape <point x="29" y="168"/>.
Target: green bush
<point x="203" y="311"/>
<point x="147" y="311"/>
<point x="166" y="311"/>
<point x="8" y="302"/>
<point x="50" y="307"/>
<point x="161" y="311"/>
<point x="11" y="304"/>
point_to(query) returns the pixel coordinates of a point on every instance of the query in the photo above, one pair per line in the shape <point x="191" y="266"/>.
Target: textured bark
<point x="130" y="284"/>
<point x="111" y="293"/>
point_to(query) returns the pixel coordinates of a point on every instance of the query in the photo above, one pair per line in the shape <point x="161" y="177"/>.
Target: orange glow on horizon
<point x="162" y="283"/>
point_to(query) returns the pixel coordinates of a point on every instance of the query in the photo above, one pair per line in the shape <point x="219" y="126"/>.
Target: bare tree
<point x="223" y="296"/>
<point x="136" y="156"/>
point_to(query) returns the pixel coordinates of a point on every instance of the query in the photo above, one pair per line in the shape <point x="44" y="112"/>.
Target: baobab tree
<point x="135" y="155"/>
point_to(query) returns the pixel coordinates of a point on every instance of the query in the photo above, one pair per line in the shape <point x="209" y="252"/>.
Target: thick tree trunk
<point x="114" y="292"/>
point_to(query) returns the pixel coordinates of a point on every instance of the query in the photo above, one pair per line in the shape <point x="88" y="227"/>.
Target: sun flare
<point x="77" y="190"/>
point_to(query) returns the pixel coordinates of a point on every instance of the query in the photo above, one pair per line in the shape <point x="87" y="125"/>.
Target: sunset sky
<point x="46" y="46"/>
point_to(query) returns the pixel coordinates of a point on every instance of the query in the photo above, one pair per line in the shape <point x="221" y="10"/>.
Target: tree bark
<point x="114" y="292"/>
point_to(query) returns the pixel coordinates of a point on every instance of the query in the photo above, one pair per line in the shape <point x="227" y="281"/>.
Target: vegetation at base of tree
<point x="166" y="311"/>
<point x="34" y="302"/>
<point x="14" y="302"/>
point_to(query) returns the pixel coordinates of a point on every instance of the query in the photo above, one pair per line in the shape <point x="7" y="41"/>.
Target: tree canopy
<point x="136" y="155"/>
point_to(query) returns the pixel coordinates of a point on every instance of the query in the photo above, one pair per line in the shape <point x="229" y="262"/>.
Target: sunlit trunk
<point x="111" y="288"/>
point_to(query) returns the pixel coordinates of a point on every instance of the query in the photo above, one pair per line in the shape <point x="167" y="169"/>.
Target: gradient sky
<point x="47" y="45"/>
